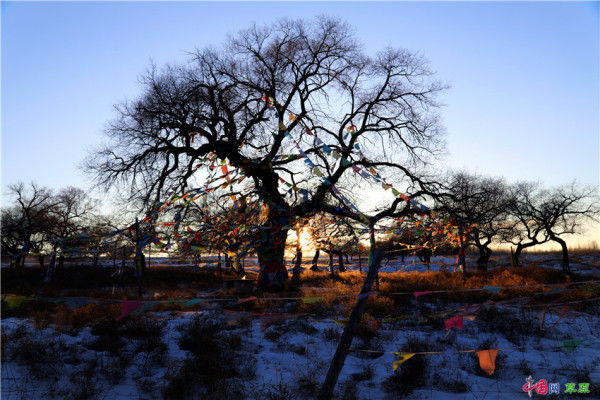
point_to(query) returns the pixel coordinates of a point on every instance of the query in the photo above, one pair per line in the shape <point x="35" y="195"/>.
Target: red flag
<point x="454" y="321"/>
<point x="224" y="169"/>
<point x="417" y="294"/>
<point x="128" y="307"/>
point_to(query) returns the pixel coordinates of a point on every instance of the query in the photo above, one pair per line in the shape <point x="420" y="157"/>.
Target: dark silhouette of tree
<point x="480" y="206"/>
<point x="242" y="101"/>
<point x="524" y="230"/>
<point x="553" y="213"/>
<point x="26" y="225"/>
<point x="73" y="222"/>
<point x="334" y="236"/>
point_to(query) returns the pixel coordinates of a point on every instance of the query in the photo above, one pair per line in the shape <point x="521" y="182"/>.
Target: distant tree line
<point x="40" y="221"/>
<point x="522" y="215"/>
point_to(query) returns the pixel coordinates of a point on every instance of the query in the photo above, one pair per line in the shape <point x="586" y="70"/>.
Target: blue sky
<point x="523" y="103"/>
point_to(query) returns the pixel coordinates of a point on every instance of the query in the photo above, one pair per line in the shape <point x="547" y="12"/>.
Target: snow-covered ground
<point x="293" y="354"/>
<point x="287" y="356"/>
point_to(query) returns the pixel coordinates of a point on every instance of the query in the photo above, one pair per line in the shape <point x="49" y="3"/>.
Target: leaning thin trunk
<point x="315" y="260"/>
<point x="515" y="258"/>
<point x="326" y="392"/>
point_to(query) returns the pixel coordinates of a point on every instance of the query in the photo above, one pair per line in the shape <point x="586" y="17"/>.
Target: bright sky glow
<point x="523" y="104"/>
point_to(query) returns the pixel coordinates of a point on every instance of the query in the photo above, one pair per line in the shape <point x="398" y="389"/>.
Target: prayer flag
<point x="403" y="358"/>
<point x="417" y="294"/>
<point x="493" y="289"/>
<point x="311" y="300"/>
<point x="454" y="322"/>
<point x="127" y="308"/>
<point x="570" y="345"/>
<point x="487" y="360"/>
<point x="15" y="301"/>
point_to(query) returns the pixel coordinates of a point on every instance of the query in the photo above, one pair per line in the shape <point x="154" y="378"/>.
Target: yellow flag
<point x="403" y="357"/>
<point x="310" y="300"/>
<point x="14" y="301"/>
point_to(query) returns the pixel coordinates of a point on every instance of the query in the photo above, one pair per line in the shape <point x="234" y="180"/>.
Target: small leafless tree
<point x="523" y="230"/>
<point x="480" y="204"/>
<point x="544" y="215"/>
<point x="26" y="225"/>
<point x="335" y="236"/>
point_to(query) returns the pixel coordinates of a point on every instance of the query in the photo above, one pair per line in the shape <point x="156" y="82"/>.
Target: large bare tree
<point x="268" y="91"/>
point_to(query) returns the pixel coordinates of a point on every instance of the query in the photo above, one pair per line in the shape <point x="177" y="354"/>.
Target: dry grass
<point x="337" y="293"/>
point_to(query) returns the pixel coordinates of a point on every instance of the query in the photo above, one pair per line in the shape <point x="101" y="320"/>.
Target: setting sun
<point x="306" y="240"/>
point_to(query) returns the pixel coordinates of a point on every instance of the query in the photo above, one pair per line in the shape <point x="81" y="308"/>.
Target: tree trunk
<point x="463" y="246"/>
<point x="359" y="263"/>
<point x="270" y="251"/>
<point x="315" y="260"/>
<point x="239" y="265"/>
<point x="330" y="263"/>
<point x="122" y="267"/>
<point x="61" y="261"/>
<point x="228" y="263"/>
<point x="41" y="261"/>
<point x="484" y="258"/>
<point x="298" y="261"/>
<point x="515" y="259"/>
<point x="326" y="392"/>
<point x="565" y="254"/>
<point x="219" y="270"/>
<point x="95" y="260"/>
<point x="341" y="266"/>
<point x="115" y="256"/>
<point x="50" y="269"/>
<point x="140" y="260"/>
